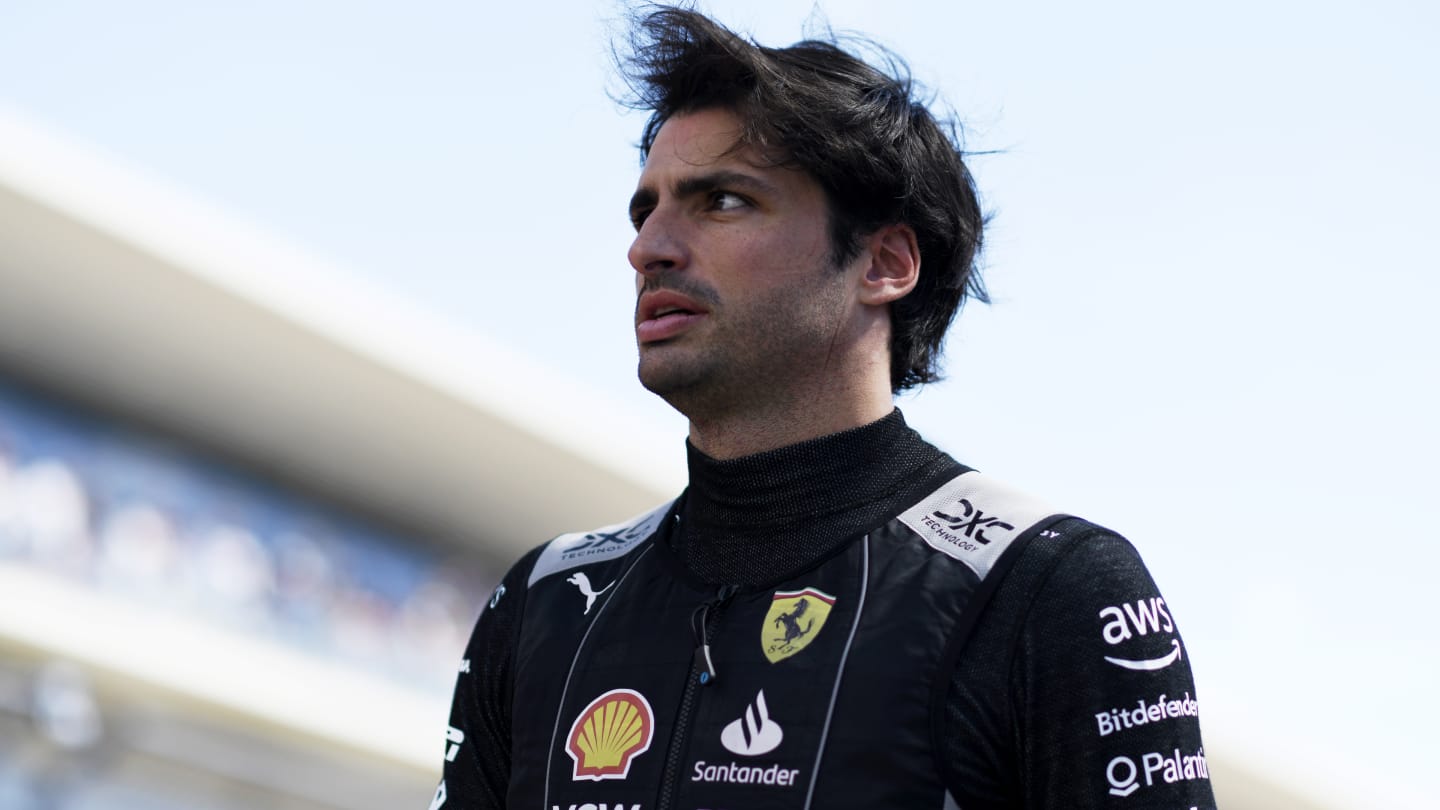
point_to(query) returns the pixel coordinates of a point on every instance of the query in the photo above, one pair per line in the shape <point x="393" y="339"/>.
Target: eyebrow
<point x="702" y="184"/>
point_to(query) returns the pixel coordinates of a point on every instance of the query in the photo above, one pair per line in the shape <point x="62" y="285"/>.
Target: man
<point x="834" y="614"/>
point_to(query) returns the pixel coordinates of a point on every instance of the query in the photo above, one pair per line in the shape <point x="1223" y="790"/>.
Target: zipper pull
<point x="703" y="663"/>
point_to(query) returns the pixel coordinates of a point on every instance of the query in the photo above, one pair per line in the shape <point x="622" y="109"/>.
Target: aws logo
<point x="1140" y="618"/>
<point x="607" y="736"/>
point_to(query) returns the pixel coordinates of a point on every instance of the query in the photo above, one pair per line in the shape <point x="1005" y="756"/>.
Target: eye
<point x="727" y="201"/>
<point x="637" y="217"/>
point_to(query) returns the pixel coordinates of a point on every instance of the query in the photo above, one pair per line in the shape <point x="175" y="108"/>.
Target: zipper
<point x="702" y="673"/>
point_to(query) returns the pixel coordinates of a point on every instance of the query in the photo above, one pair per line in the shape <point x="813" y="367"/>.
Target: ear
<point x="894" y="265"/>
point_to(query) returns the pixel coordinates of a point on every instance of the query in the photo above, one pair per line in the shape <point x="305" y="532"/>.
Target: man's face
<point x="738" y="301"/>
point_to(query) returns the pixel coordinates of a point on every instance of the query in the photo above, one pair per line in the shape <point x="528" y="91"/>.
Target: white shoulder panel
<point x="974" y="518"/>
<point x="570" y="550"/>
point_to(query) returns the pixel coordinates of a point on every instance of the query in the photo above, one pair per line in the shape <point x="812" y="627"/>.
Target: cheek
<point x="794" y="261"/>
<point x="800" y="240"/>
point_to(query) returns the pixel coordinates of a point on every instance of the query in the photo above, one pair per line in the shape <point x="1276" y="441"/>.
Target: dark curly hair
<point x="877" y="151"/>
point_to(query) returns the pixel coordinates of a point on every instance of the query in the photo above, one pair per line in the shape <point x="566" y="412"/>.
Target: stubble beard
<point x="697" y="380"/>
<point x="764" y="359"/>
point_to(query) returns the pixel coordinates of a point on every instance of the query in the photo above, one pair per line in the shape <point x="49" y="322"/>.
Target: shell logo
<point x="614" y="729"/>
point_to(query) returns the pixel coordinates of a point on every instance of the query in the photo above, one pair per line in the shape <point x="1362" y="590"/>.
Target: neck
<point x="757" y="433"/>
<point x="764" y="517"/>
<point x="800" y="413"/>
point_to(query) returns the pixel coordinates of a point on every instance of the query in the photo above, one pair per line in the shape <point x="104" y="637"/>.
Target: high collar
<point x="755" y="518"/>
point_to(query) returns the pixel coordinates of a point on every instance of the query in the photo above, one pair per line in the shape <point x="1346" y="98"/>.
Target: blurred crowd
<point x="158" y="524"/>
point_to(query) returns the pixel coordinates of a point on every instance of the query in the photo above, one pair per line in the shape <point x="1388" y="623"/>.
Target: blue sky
<point x="1210" y="258"/>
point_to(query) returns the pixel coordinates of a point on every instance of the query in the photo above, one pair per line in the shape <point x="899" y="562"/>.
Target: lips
<point x="664" y="314"/>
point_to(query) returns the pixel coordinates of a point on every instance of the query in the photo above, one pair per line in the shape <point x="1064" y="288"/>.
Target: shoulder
<point x="978" y="520"/>
<point x="1076" y="633"/>
<point x="604" y="544"/>
<point x="1020" y="541"/>
<point x="1080" y="600"/>
<point x="502" y="614"/>
<point x="1078" y="562"/>
<point x="1087" y="588"/>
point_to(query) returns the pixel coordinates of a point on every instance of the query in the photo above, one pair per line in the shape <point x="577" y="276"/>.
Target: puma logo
<point x="587" y="590"/>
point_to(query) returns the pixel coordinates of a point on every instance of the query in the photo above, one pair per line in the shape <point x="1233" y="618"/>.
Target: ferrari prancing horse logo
<point x="794" y="619"/>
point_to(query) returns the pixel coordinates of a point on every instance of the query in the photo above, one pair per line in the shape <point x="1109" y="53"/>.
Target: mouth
<point x="658" y="304"/>
<point x="665" y="314"/>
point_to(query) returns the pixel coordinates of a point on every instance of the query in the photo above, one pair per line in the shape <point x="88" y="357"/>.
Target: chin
<point x="678" y="384"/>
<point x="662" y="382"/>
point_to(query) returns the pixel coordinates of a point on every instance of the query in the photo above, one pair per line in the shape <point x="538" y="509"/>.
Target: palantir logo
<point x="1156" y="766"/>
<point x="755" y="733"/>
<point x="972" y="521"/>
<point x="1123" y="776"/>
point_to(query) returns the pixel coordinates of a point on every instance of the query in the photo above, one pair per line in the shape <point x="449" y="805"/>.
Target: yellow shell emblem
<point x="614" y="729"/>
<point x="793" y="621"/>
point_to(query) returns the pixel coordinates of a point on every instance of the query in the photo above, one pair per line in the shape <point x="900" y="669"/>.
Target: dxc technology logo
<point x="972" y="521"/>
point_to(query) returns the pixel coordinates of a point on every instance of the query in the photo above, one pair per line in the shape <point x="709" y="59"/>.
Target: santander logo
<point x="755" y="733"/>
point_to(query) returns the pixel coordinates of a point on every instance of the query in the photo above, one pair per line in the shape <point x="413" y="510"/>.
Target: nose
<point x="659" y="244"/>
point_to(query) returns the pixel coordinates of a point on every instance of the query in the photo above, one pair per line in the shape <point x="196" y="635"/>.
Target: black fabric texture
<point x="478" y="770"/>
<point x="1019" y="726"/>
<point x="1020" y="716"/>
<point x="756" y="519"/>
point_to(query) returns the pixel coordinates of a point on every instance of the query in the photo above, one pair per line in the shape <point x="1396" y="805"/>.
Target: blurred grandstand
<point x="248" y="511"/>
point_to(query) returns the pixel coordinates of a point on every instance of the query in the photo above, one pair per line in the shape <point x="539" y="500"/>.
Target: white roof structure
<point x="122" y="293"/>
<point x="117" y="290"/>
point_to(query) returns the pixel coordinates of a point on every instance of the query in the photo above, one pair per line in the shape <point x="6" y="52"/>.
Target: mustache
<point x="690" y="288"/>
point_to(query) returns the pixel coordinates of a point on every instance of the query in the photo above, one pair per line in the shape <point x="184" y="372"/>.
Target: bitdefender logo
<point x="1143" y="714"/>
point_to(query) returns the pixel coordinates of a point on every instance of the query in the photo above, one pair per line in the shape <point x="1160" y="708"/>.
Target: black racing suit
<point x="1071" y="691"/>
